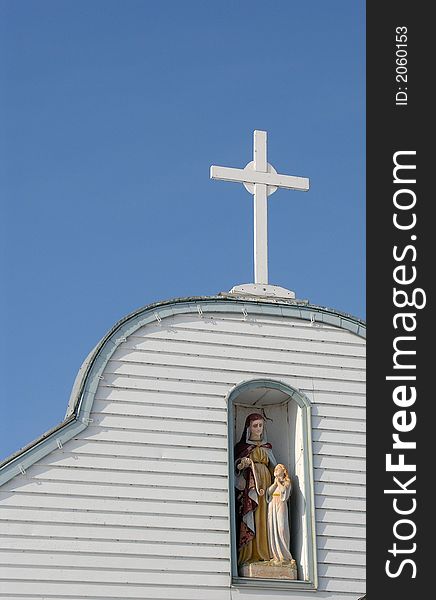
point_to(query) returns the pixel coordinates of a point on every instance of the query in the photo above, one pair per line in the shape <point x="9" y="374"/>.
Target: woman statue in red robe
<point x="254" y="463"/>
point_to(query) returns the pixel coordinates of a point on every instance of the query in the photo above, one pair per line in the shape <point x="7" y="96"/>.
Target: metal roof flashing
<point x="238" y="300"/>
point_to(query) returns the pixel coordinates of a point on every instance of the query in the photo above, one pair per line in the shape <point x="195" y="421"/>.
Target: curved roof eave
<point x="82" y="395"/>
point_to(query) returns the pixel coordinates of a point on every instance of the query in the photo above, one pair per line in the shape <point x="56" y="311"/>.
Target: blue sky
<point x="111" y="114"/>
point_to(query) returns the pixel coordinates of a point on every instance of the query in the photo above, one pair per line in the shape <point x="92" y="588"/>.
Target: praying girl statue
<point x="277" y="496"/>
<point x="254" y="462"/>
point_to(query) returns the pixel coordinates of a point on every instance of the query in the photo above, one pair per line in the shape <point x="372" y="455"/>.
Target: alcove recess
<point x="287" y="413"/>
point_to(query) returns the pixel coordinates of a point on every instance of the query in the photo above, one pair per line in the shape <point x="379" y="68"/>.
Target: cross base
<point x="265" y="290"/>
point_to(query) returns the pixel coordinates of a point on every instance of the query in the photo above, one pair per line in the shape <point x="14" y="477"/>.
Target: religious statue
<point x="277" y="497"/>
<point x="261" y="505"/>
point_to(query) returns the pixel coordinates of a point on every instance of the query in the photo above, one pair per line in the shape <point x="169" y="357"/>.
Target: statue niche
<point x="262" y="491"/>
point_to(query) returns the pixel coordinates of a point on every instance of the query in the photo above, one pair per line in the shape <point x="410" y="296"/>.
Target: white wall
<point x="136" y="505"/>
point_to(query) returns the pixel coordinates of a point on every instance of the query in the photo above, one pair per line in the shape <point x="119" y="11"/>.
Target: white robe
<point x="278" y="523"/>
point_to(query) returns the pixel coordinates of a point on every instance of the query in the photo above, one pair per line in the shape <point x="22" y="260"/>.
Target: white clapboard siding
<point x="340" y="503"/>
<point x="355" y="585"/>
<point x="336" y="390"/>
<point x="133" y="364"/>
<point x="168" y="425"/>
<point x="159" y="346"/>
<point x="136" y="506"/>
<point x="110" y="490"/>
<point x="241" y="340"/>
<point x="44" y="526"/>
<point x="90" y="547"/>
<point x="117" y="519"/>
<point x="153" y="438"/>
<point x="143" y="479"/>
<point x="206" y="400"/>
<point x="117" y="562"/>
<point x="128" y="505"/>
<point x="337" y="422"/>
<point x="158" y="410"/>
<point x="166" y="378"/>
<point x="345" y="544"/>
<point x="157" y="465"/>
<point x="225" y="375"/>
<point x="333" y="489"/>
<point x="337" y="411"/>
<point x="340" y="530"/>
<point x="56" y="589"/>
<point x="116" y="576"/>
<point x="334" y="557"/>
<point x="346" y="464"/>
<point x="343" y="398"/>
<point x="111" y="448"/>
<point x="341" y="450"/>
<point x="171" y="398"/>
<point x="340" y="516"/>
<point x="259" y="327"/>
<point x="339" y="476"/>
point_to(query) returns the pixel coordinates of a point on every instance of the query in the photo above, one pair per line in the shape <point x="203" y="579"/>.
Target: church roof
<point x="79" y="407"/>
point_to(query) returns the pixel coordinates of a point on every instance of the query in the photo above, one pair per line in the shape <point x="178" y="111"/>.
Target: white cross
<point x="260" y="179"/>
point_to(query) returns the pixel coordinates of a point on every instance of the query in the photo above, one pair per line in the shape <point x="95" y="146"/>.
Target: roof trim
<point x="82" y="396"/>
